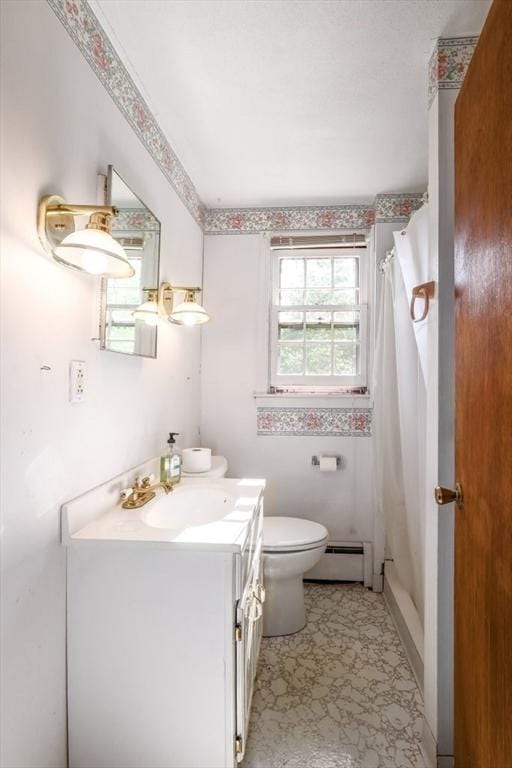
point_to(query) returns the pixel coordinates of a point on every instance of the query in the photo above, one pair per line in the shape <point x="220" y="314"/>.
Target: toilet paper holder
<point x="315" y="461"/>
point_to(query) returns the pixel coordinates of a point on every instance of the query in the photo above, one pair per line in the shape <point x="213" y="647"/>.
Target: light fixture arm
<point x="79" y="210"/>
<point x="166" y="296"/>
<point x="185" y="289"/>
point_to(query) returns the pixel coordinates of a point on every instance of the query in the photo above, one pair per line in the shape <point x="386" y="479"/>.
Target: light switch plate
<point x="77" y="370"/>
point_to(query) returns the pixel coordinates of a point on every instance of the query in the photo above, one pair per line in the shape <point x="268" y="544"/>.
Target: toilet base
<point x="284" y="612"/>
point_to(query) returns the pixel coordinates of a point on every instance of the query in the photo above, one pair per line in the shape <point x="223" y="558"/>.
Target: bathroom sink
<point x="188" y="506"/>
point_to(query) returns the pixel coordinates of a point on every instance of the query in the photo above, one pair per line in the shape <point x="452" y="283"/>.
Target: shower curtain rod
<point x="387" y="258"/>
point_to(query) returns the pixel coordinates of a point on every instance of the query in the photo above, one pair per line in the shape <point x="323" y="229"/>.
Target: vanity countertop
<point x="197" y="515"/>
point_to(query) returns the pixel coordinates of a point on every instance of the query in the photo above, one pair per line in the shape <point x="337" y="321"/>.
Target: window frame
<point x="305" y="383"/>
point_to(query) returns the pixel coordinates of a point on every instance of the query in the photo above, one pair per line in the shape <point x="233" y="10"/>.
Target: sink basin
<point x="188" y="506"/>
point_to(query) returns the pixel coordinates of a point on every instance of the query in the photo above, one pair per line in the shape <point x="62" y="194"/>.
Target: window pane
<point x="318" y="273"/>
<point x="121" y="346"/>
<point x="121" y="316"/>
<point x="345" y="359"/>
<point x="345" y="272"/>
<point x="292" y="273"/>
<point x="290" y="297"/>
<point x="318" y="359"/>
<point x="348" y="318"/>
<point x="318" y="297"/>
<point x="318" y="326"/>
<point x="344" y="296"/>
<point x="346" y="326"/>
<point x="129" y="296"/>
<point x="290" y="359"/>
<point x="122" y="332"/>
<point x="346" y="332"/>
<point x="291" y="326"/>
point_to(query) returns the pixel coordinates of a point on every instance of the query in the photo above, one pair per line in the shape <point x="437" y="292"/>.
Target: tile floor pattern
<point x="339" y="694"/>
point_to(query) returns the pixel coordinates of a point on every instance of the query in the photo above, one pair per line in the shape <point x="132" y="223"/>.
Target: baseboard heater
<point x="344" y="561"/>
<point x="335" y="549"/>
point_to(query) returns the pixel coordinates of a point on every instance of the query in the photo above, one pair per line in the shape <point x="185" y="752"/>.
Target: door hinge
<point x="238" y="632"/>
<point x="239" y="745"/>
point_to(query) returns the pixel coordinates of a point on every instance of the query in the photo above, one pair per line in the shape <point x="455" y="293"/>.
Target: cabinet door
<point x="249" y="631"/>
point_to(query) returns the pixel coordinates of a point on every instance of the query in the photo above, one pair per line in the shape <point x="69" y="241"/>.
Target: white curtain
<point x="411" y="245"/>
<point x="399" y="413"/>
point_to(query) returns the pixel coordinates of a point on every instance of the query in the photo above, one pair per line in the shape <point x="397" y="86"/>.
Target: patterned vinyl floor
<point x="338" y="694"/>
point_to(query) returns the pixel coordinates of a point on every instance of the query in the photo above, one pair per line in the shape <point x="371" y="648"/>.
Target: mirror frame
<point x="104" y="282"/>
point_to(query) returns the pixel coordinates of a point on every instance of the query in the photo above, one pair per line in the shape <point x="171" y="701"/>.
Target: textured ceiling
<point x="289" y="102"/>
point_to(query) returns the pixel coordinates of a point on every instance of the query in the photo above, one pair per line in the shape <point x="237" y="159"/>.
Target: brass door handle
<point x="447" y="495"/>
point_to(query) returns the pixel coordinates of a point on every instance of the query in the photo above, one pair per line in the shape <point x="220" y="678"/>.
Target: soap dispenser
<point x="170" y="463"/>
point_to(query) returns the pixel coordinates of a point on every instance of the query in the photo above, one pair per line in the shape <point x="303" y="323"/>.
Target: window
<point x="123" y="297"/>
<point x="318" y="323"/>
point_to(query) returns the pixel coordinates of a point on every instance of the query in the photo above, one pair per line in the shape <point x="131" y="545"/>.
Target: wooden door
<point x="483" y="394"/>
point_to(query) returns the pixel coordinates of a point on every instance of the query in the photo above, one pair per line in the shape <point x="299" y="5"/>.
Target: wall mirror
<point x="138" y="231"/>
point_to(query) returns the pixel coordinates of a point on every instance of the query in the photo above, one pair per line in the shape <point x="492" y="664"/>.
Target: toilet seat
<point x="292" y="534"/>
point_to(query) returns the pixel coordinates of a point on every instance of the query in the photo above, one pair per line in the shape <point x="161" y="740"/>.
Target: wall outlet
<point x="77" y="371"/>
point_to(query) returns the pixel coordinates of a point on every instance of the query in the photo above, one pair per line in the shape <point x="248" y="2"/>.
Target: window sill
<point x="318" y="399"/>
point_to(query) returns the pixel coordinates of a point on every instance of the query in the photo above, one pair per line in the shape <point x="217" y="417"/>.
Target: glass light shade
<point x="94" y="251"/>
<point x="148" y="312"/>
<point x="189" y="313"/>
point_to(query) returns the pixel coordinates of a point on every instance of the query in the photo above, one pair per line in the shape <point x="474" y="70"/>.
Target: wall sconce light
<point x="92" y="249"/>
<point x="148" y="312"/>
<point x="160" y="303"/>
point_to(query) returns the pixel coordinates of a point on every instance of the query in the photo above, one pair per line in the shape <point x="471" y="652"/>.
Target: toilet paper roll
<point x="328" y="464"/>
<point x="196" y="459"/>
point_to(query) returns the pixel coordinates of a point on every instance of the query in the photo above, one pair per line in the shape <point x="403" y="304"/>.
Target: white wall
<point x="59" y="130"/>
<point x="234" y="360"/>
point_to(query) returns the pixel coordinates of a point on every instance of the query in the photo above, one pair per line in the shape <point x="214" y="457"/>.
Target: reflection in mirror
<point x="138" y="231"/>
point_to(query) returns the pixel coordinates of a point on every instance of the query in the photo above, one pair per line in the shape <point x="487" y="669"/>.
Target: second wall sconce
<point x="92" y="249"/>
<point x="160" y="303"/>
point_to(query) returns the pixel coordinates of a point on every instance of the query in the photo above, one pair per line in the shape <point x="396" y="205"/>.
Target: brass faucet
<point x="142" y="492"/>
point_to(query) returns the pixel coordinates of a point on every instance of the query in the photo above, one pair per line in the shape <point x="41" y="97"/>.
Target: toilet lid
<point x="289" y="534"/>
<point x="218" y="469"/>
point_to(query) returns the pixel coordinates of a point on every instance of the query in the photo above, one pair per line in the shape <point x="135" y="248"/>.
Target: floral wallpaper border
<point x="449" y="63"/>
<point x="333" y="422"/>
<point x="78" y="19"/>
<point x="397" y="208"/>
<point x="80" y="22"/>
<point x="135" y="218"/>
<point x="386" y="208"/>
<point x="227" y="221"/>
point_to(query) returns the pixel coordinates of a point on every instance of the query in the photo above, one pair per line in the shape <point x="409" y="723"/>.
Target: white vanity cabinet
<point x="163" y="637"/>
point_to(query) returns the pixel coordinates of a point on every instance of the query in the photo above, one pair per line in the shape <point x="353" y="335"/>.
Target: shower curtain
<point x="400" y="410"/>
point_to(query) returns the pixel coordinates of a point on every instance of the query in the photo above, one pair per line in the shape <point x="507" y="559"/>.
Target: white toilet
<point x="291" y="547"/>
